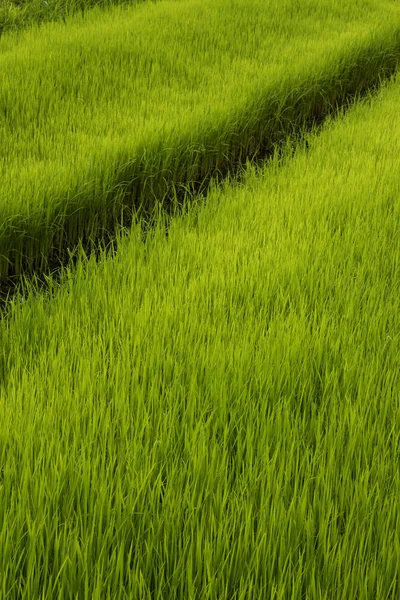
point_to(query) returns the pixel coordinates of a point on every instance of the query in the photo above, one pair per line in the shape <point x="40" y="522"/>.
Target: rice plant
<point x="16" y="15"/>
<point x="215" y="415"/>
<point x="110" y="111"/>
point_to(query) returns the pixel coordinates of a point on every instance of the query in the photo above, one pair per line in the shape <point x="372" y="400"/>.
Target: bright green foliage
<point x="160" y="95"/>
<point x="215" y="415"/>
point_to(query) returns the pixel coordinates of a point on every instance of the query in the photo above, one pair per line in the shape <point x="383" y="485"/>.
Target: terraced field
<point x="212" y="413"/>
<point x="119" y="109"/>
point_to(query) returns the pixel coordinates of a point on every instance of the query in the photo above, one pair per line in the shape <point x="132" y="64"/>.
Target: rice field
<point x="216" y="414"/>
<point x="211" y="414"/>
<point x="17" y="15"/>
<point x="108" y="113"/>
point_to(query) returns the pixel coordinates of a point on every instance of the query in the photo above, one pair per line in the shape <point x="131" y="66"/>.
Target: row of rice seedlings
<point x="130" y="103"/>
<point x="215" y="415"/>
<point x="16" y="15"/>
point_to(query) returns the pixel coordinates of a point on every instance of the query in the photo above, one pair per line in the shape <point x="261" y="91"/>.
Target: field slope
<point x="215" y="415"/>
<point x="113" y="110"/>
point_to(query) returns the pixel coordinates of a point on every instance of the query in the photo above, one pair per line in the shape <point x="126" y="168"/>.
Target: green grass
<point x="215" y="415"/>
<point x="17" y="15"/>
<point x="112" y="110"/>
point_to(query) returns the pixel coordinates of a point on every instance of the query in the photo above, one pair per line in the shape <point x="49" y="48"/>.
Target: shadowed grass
<point x="17" y="15"/>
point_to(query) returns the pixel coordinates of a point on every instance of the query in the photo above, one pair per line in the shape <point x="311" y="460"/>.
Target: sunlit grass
<point x="215" y="415"/>
<point x="110" y="110"/>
